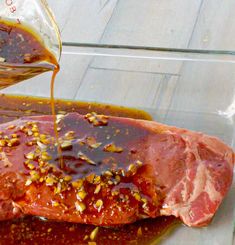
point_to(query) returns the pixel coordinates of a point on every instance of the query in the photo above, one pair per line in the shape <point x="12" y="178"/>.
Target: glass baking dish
<point x="174" y="24"/>
<point x="191" y="90"/>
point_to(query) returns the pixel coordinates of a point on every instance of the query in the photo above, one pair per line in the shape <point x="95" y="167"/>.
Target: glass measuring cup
<point x="38" y="18"/>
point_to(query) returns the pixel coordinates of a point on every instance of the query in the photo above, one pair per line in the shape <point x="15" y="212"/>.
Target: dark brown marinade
<point x="19" y="45"/>
<point x="33" y="230"/>
<point x="23" y="55"/>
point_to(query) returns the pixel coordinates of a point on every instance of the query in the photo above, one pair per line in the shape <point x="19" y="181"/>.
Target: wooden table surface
<point x="176" y="89"/>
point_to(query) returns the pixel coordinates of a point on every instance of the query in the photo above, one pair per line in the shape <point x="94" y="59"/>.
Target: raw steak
<point x="110" y="171"/>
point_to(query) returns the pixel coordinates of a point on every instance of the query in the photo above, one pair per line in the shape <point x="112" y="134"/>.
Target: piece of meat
<point x="110" y="170"/>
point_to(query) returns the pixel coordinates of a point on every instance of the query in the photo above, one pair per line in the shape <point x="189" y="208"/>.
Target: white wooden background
<point x="197" y="24"/>
<point x="192" y="94"/>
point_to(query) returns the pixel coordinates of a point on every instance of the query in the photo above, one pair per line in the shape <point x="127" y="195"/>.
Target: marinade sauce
<point x="19" y="45"/>
<point x="32" y="230"/>
<point x="22" y="54"/>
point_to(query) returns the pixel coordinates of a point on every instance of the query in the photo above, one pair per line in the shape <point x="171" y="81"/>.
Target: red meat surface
<point x="109" y="171"/>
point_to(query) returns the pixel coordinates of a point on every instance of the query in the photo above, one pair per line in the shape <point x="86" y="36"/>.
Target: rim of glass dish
<point x="151" y="53"/>
<point x="149" y="48"/>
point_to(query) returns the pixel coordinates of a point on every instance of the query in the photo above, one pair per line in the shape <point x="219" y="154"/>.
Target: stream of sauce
<point x="53" y="111"/>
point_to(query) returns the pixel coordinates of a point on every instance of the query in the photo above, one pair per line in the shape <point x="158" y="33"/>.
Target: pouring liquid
<point x="53" y="111"/>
